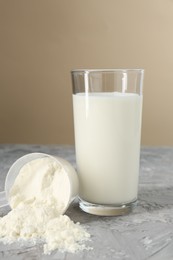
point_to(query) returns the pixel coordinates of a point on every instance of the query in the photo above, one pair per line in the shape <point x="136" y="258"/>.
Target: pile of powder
<point x="38" y="199"/>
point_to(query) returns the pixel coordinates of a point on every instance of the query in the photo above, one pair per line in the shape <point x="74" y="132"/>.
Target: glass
<point x="107" y="109"/>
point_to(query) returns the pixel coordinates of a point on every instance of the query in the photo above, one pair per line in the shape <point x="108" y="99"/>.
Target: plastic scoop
<point x="18" y="164"/>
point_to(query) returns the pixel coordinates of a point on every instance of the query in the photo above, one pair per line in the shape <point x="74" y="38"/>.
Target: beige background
<point x="41" y="41"/>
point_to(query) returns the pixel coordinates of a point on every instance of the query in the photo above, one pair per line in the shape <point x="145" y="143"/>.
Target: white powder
<point x="38" y="199"/>
<point x="42" y="180"/>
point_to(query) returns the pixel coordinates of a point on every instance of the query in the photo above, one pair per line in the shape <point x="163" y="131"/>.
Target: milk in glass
<point x="107" y="139"/>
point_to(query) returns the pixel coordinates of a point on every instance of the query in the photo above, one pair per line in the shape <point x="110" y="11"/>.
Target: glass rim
<point x="106" y="70"/>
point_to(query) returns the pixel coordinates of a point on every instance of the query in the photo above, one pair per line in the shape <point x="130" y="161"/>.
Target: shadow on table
<point x="77" y="215"/>
<point x="153" y="198"/>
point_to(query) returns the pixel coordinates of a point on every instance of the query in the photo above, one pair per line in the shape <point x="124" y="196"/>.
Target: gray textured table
<point x="146" y="233"/>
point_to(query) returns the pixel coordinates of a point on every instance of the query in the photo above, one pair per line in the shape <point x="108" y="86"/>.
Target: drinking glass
<point x="107" y="109"/>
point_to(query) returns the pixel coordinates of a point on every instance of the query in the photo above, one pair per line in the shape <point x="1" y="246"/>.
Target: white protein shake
<point x="107" y="138"/>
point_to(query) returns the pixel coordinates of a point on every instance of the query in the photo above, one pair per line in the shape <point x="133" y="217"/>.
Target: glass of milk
<point x="107" y="109"/>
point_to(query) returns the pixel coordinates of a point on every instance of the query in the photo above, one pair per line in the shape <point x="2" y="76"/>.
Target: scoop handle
<point x="3" y="200"/>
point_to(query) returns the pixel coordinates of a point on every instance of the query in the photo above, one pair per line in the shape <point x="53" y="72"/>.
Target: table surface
<point x="146" y="233"/>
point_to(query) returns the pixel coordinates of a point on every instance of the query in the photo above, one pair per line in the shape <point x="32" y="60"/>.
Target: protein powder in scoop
<point x="41" y="193"/>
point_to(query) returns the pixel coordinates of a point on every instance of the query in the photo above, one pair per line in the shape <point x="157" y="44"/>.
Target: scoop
<point x="18" y="164"/>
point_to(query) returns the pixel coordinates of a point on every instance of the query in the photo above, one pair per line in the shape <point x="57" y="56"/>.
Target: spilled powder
<point x="37" y="214"/>
<point x="43" y="222"/>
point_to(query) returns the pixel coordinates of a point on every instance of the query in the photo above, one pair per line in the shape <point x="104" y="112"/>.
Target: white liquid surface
<point x="107" y="139"/>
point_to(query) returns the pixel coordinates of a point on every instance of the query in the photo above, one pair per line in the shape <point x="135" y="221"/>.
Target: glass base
<point x="107" y="210"/>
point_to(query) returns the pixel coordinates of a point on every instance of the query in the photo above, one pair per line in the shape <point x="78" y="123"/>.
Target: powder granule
<point x="64" y="234"/>
<point x="41" y="222"/>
